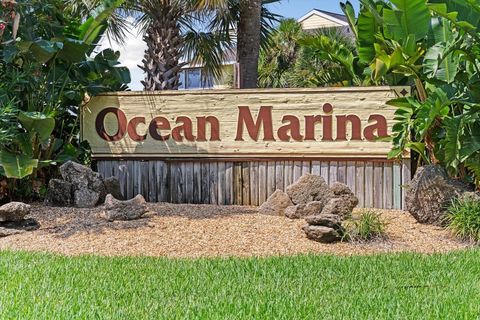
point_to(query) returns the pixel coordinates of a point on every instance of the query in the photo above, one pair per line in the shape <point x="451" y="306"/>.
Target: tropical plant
<point x="463" y="218"/>
<point x="45" y="75"/>
<point x="434" y="46"/>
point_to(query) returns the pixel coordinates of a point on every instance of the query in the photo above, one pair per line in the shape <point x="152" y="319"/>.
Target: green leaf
<point x="349" y="12"/>
<point x="441" y="63"/>
<point x="37" y="122"/>
<point x="43" y="50"/>
<point x="367" y="29"/>
<point x="17" y="166"/>
<point x="411" y="17"/>
<point x="96" y="24"/>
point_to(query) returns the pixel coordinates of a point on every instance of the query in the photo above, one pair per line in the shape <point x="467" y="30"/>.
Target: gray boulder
<point x="88" y="187"/>
<point x="309" y="188"/>
<point x="430" y="193"/>
<point x="339" y="207"/>
<point x="5" y="232"/>
<point x="125" y="210"/>
<point x="59" y="193"/>
<point x="295" y="212"/>
<point x="276" y="204"/>
<point x="14" y="211"/>
<point x="321" y="234"/>
<point x="326" y="220"/>
<point x="112" y="185"/>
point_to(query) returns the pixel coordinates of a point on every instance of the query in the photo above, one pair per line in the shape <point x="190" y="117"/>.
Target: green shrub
<point x="367" y="226"/>
<point x="463" y="218"/>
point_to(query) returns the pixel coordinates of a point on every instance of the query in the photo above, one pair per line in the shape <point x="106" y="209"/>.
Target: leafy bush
<point x="463" y="217"/>
<point x="367" y="226"/>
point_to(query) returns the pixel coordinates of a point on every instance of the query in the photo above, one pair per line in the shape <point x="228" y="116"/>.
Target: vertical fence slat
<point x="262" y="182"/>
<point x="397" y="188"/>
<point x="279" y="175"/>
<point x="360" y="183"/>
<point x="270" y="178"/>
<point x="369" y="185"/>
<point x="342" y="172"/>
<point x="351" y="176"/>
<point x="387" y="185"/>
<point x="205" y="182"/>
<point x="288" y="174"/>
<point x="237" y="183"/>
<point x="254" y="183"/>
<point x="325" y="171"/>
<point x="297" y="170"/>
<point x="333" y="172"/>
<point x="213" y="180"/>
<point x="144" y="181"/>
<point x="189" y="182"/>
<point x="316" y="168"/>
<point x="229" y="183"/>
<point x="197" y="182"/>
<point x="246" y="183"/>
<point x="221" y="183"/>
<point x="378" y="185"/>
<point x="306" y="167"/>
<point x="406" y="178"/>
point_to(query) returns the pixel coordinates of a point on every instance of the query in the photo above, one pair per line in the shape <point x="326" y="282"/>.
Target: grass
<point x="463" y="218"/>
<point x="366" y="226"/>
<point x="401" y="286"/>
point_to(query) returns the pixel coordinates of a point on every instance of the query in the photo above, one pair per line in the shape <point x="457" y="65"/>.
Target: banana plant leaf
<point x="37" y="122"/>
<point x="17" y="166"/>
<point x="411" y="17"/>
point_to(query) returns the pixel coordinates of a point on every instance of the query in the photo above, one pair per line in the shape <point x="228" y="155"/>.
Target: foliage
<point x="46" y="72"/>
<point x="434" y="46"/>
<point x="293" y="58"/>
<point x="393" y="286"/>
<point x="463" y="218"/>
<point x="367" y="226"/>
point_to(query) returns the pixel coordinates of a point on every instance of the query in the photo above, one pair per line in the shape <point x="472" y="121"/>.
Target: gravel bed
<point x="192" y="231"/>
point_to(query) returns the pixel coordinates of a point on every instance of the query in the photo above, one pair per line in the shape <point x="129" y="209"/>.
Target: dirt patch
<point x="174" y="230"/>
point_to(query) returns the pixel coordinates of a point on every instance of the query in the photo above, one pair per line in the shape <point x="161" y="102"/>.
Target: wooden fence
<point x="377" y="183"/>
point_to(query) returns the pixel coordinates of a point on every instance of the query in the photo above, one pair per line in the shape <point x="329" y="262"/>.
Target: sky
<point x="131" y="53"/>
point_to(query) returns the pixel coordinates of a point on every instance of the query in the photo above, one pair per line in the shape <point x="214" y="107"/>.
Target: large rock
<point x="276" y="204"/>
<point x="88" y="186"/>
<point x="4" y="232"/>
<point x="112" y="184"/>
<point x="431" y="192"/>
<point x="25" y="225"/>
<point x="303" y="210"/>
<point x="125" y="210"/>
<point x="326" y="220"/>
<point x="309" y="188"/>
<point x="59" y="193"/>
<point x="14" y="211"/>
<point x="321" y="234"/>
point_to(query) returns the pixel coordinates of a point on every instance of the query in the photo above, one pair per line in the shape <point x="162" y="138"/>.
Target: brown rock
<point x="309" y="188"/>
<point x="125" y="210"/>
<point x="430" y="193"/>
<point x="313" y="208"/>
<point x="14" y="211"/>
<point x="339" y="207"/>
<point x="295" y="212"/>
<point x="276" y="204"/>
<point x="321" y="234"/>
<point x="5" y="232"/>
<point x="326" y="220"/>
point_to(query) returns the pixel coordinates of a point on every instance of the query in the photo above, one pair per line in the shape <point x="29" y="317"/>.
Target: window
<point x="192" y="79"/>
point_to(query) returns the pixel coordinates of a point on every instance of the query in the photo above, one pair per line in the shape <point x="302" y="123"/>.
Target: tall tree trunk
<point x="248" y="42"/>
<point x="161" y="62"/>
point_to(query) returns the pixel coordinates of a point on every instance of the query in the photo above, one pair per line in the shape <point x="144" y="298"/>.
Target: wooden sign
<point x="269" y="123"/>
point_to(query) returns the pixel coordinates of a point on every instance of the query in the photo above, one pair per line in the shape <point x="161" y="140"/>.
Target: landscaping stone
<point x="14" y="211"/>
<point x="112" y="184"/>
<point x="326" y="220"/>
<point x="4" y="232"/>
<point x="88" y="187"/>
<point x="309" y="188"/>
<point x="321" y="234"/>
<point x="59" y="193"/>
<point x="430" y="192"/>
<point x="295" y="212"/>
<point x="26" y="225"/>
<point x="348" y="200"/>
<point x="276" y="204"/>
<point x="125" y="210"/>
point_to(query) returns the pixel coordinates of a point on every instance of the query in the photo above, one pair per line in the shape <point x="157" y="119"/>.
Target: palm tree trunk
<point x="248" y="42"/>
<point x="161" y="62"/>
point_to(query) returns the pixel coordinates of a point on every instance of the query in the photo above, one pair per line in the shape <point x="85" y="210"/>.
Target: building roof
<point x="334" y="17"/>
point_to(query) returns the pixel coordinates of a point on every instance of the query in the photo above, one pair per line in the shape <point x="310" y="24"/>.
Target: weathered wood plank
<point x="197" y="182"/>
<point x="145" y="180"/>
<point x="369" y="189"/>
<point x="333" y="171"/>
<point x="254" y="183"/>
<point x="378" y="185"/>
<point x="130" y="174"/>
<point x="288" y="174"/>
<point x="123" y="177"/>
<point x="213" y="180"/>
<point x="229" y="183"/>
<point x="279" y="175"/>
<point x="189" y="182"/>
<point x="164" y="168"/>
<point x="342" y="172"/>
<point x="397" y="188"/>
<point x="262" y="182"/>
<point x="205" y="167"/>
<point x="316" y="168"/>
<point x="237" y="183"/>
<point x="246" y="183"/>
<point x="388" y="185"/>
<point x="152" y="181"/>
<point x="270" y="177"/>
<point x="406" y="178"/>
<point x="325" y="171"/>
<point x="306" y="167"/>
<point x="297" y="170"/>
<point x="221" y="183"/>
<point x="360" y="183"/>
<point x="351" y="176"/>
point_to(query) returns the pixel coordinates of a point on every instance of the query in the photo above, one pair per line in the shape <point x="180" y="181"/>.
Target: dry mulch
<point x="174" y="230"/>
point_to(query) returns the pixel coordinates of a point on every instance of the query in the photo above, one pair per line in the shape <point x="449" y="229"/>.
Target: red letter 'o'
<point x="121" y="123"/>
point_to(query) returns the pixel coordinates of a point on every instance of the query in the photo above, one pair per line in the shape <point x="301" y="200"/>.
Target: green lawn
<point x="406" y="286"/>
